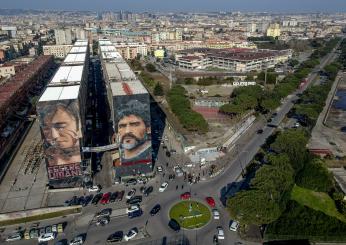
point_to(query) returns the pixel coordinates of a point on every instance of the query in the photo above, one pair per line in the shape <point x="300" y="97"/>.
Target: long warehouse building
<point x="61" y="113"/>
<point x="129" y="103"/>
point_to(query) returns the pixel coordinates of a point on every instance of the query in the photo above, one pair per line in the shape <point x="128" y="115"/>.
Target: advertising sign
<point x="133" y="134"/>
<point x="61" y="133"/>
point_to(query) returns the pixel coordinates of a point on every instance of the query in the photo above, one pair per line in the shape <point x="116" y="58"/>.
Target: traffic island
<point x="190" y="214"/>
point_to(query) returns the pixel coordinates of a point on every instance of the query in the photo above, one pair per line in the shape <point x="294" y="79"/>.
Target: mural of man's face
<point x="132" y="132"/>
<point x="61" y="129"/>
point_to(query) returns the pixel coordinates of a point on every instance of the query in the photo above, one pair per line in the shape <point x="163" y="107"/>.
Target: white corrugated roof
<point x="105" y="42"/>
<point x="108" y="49"/>
<point x="60" y="93"/>
<point x="75" y="58"/>
<point x="81" y="43"/>
<point x="128" y="88"/>
<point x="67" y="74"/>
<point x="111" y="55"/>
<point x="78" y="49"/>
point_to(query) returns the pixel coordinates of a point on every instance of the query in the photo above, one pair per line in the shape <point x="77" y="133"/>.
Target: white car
<point x="14" y="237"/>
<point x="131" y="234"/>
<point x="78" y="240"/>
<point x="94" y="188"/>
<point x="46" y="237"/>
<point x="131" y="193"/>
<point x="216" y="214"/>
<point x="159" y="169"/>
<point x="132" y="208"/>
<point x="220" y="233"/>
<point x="233" y="225"/>
<point x="163" y="187"/>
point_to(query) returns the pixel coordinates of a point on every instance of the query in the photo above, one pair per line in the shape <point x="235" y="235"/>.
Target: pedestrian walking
<point x="176" y="187"/>
<point x="182" y="186"/>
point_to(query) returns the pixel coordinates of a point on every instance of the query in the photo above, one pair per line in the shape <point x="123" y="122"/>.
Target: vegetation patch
<point x="40" y="217"/>
<point x="190" y="214"/>
<point x="318" y="201"/>
<point x="301" y="222"/>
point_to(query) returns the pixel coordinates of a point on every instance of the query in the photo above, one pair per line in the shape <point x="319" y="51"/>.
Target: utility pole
<point x="265" y="77"/>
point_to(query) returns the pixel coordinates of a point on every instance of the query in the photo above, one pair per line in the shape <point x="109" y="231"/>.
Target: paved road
<point x="157" y="226"/>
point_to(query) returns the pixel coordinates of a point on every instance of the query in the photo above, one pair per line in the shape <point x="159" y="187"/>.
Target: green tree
<point x="150" y="67"/>
<point x="158" y="90"/>
<point x="293" y="143"/>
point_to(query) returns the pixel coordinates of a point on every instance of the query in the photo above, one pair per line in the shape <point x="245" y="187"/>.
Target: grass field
<point x="319" y="201"/>
<point x="198" y="217"/>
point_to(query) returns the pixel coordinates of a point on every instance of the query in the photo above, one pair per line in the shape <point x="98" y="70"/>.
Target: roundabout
<point x="190" y="214"/>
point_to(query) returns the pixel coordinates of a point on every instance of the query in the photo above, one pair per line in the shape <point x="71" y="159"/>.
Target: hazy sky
<point x="182" y="5"/>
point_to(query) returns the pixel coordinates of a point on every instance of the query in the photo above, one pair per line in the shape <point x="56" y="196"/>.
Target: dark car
<point x="135" y="214"/>
<point x="269" y="120"/>
<point x="174" y="225"/>
<point x="87" y="200"/>
<point x="148" y="190"/>
<point x="120" y="195"/>
<point x="168" y="154"/>
<point x="131" y="182"/>
<point x="103" y="213"/>
<point x="155" y="209"/>
<point x="260" y="131"/>
<point x="114" y="196"/>
<point x="116" y="237"/>
<point x="81" y="200"/>
<point x="135" y="200"/>
<point x="97" y="198"/>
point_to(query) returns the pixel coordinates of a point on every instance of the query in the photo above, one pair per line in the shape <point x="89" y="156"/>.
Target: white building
<point x="63" y="36"/>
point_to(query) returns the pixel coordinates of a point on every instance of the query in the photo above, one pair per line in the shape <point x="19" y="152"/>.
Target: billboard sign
<point x="133" y="134"/>
<point x="61" y="133"/>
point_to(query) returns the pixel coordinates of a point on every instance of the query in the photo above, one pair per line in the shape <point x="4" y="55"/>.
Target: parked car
<point x="220" y="233"/>
<point x="14" y="237"/>
<point x="48" y="229"/>
<point x="97" y="198"/>
<point x="131" y="234"/>
<point x="42" y="231"/>
<point x="132" y="208"/>
<point x="131" y="193"/>
<point x="55" y="228"/>
<point x="46" y="237"/>
<point x="120" y="195"/>
<point x="135" y="214"/>
<point x="159" y="169"/>
<point x="260" y="131"/>
<point x="148" y="190"/>
<point x="103" y="221"/>
<point x="78" y="240"/>
<point x="34" y="233"/>
<point x="163" y="187"/>
<point x="94" y="188"/>
<point x="60" y="228"/>
<point x="174" y="225"/>
<point x="216" y="214"/>
<point x="233" y="225"/>
<point x="155" y="209"/>
<point x="105" y="198"/>
<point x="87" y="200"/>
<point x="210" y="201"/>
<point x="143" y="180"/>
<point x="81" y="200"/>
<point x="104" y="212"/>
<point x="185" y="196"/>
<point x="116" y="237"/>
<point x="131" y="182"/>
<point x="135" y="200"/>
<point x="114" y="196"/>
<point x="27" y="235"/>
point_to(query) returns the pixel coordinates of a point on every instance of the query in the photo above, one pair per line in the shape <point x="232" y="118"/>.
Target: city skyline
<point x="179" y="5"/>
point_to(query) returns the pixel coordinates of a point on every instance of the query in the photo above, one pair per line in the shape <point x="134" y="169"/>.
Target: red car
<point x="210" y="201"/>
<point x="105" y="198"/>
<point x="186" y="195"/>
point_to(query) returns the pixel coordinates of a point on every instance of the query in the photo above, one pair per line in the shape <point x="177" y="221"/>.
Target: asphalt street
<point x="156" y="227"/>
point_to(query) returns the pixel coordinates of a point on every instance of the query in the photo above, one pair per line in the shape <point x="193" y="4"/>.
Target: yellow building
<point x="159" y="53"/>
<point x="274" y="30"/>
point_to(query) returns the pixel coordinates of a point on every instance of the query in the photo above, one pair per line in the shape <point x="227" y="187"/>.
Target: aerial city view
<point x="172" y="122"/>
